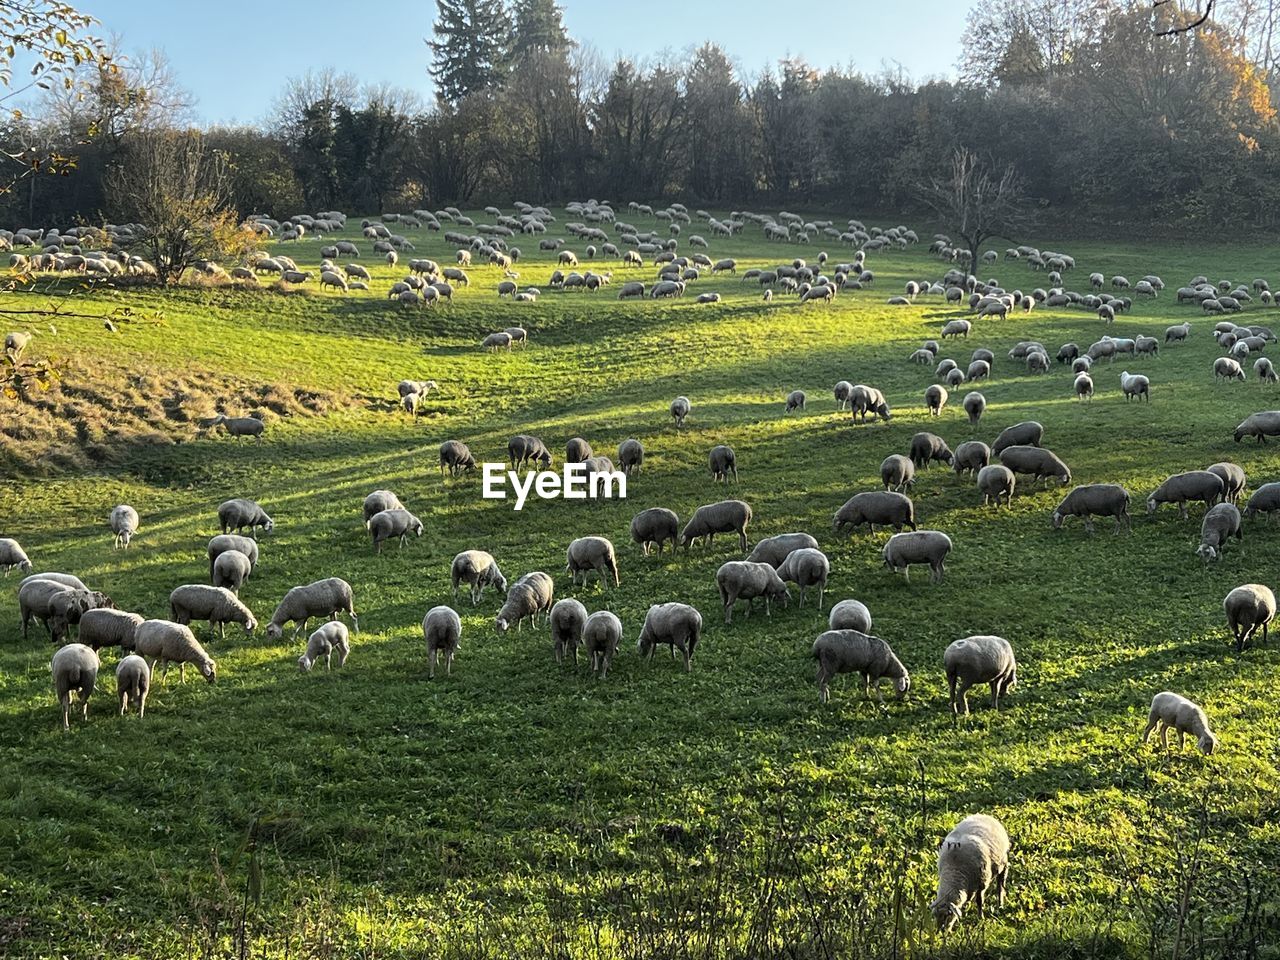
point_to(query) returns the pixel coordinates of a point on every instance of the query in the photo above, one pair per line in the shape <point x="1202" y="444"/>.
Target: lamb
<point x="592" y="553"/>
<point x="935" y="398"/>
<point x="884" y="507"/>
<point x="1135" y="385"/>
<point x="1225" y="368"/>
<point x="218" y="605"/>
<point x="1037" y="461"/>
<point x="1176" y="712"/>
<point x="995" y="481"/>
<point x="1095" y="500"/>
<point x="456" y="457"/>
<point x="528" y="596"/>
<point x="165" y="642"/>
<point x="567" y="619"/>
<point x="240" y="426"/>
<point x="133" y="681"/>
<point x="124" y="524"/>
<point x="676" y="624"/>
<point x="1261" y="425"/>
<point x="1247" y="607"/>
<point x="235" y="515"/>
<point x="897" y="472"/>
<point x="12" y="555"/>
<point x="1233" y="480"/>
<point x="853" y="651"/>
<point x="601" y="635"/>
<point x="322" y="598"/>
<point x="392" y="524"/>
<point x="75" y="667"/>
<point x="479" y="570"/>
<point x="15" y="343"/>
<point x="807" y="568"/>
<point x="330" y="637"/>
<point x="680" y="409"/>
<point x="972" y="456"/>
<point x="442" y="631"/>
<point x="1181" y="487"/>
<point x="1028" y="433"/>
<point x="1221" y="522"/>
<point x="921" y="546"/>
<point x="979" y="659"/>
<point x="655" y="525"/>
<point x="927" y="447"/>
<point x="406" y="387"/>
<point x="727" y="516"/>
<point x="973" y="854"/>
<point x="975" y="404"/>
<point x="796" y="400"/>
<point x="227" y="542"/>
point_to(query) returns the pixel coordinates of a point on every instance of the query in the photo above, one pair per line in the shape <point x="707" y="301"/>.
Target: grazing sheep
<point x="1182" y="487"/>
<point x="478" y="570"/>
<point x="196" y="601"/>
<point x="979" y="659"/>
<point x="927" y="447"/>
<point x="1083" y="386"/>
<point x="592" y="553"/>
<point x="807" y="567"/>
<point x="567" y="619"/>
<point x="975" y="404"/>
<point x="1177" y="332"/>
<point x="124" y="524"/>
<point x="974" y="853"/>
<point x="727" y="516"/>
<point x="1026" y="434"/>
<point x="601" y="636"/>
<point x="884" y="507"/>
<point x="229" y="541"/>
<point x="796" y="400"/>
<point x="978" y="370"/>
<point x="864" y="400"/>
<point x="523" y="449"/>
<point x="164" y="642"/>
<point x="680" y="408"/>
<point x="1095" y="500"/>
<point x="935" y="398"/>
<point x="1221" y="522"/>
<point x="850" y="615"/>
<point x="971" y="456"/>
<point x="897" y="472"/>
<point x="330" y="637"/>
<point x="1264" y="500"/>
<point x="442" y="631"/>
<point x="406" y="387"/>
<point x="995" y="481"/>
<point x="393" y="524"/>
<point x="107" y="627"/>
<point x="655" y="526"/>
<point x="1264" y="370"/>
<point x="496" y="341"/>
<point x="240" y="426"/>
<point x="1037" y="461"/>
<point x="1261" y="425"/>
<point x="1171" y="711"/>
<point x="920" y="546"/>
<point x="1225" y="368"/>
<point x="12" y="555"/>
<point x="843" y="393"/>
<point x="58" y="606"/>
<point x="678" y="625"/>
<point x="1068" y="351"/>
<point x="723" y="462"/>
<point x="322" y="598"/>
<point x="378" y="501"/>
<point x="1247" y="607"/>
<point x="133" y="682"/>
<point x="75" y="668"/>
<point x="630" y="456"/>
<point x="773" y="550"/>
<point x="1233" y="480"/>
<point x="853" y="651"/>
<point x="577" y="450"/>
<point x="1135" y="385"/>
<point x="956" y="328"/>
<point x="235" y="515"/>
<point x="456" y="457"/>
<point x="530" y="595"/>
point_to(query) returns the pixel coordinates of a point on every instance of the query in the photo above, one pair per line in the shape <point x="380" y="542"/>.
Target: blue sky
<point x="234" y="57"/>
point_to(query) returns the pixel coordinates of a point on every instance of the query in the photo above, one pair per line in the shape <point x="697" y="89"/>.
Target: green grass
<point x="519" y="808"/>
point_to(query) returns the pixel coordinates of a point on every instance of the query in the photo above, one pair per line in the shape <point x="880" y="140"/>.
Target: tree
<point x="539" y="28"/>
<point x="179" y="189"/>
<point x="975" y="202"/>
<point x="469" y="48"/>
<point x="1023" y="41"/>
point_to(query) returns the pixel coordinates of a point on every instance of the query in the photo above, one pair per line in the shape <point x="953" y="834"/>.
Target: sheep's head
<point x="946" y="915"/>
<point x="1207" y="743"/>
<point x="304" y="663"/>
<point x="210" y="671"/>
<point x="274" y="631"/>
<point x="250" y="625"/>
<point x="1151" y="504"/>
<point x="1057" y="520"/>
<point x="501" y="624"/>
<point x="269" y="525"/>
<point x="1206" y="552"/>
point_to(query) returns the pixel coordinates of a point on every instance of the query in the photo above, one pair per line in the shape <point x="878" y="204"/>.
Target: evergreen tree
<point x="468" y="48"/>
<point x="539" y="28"/>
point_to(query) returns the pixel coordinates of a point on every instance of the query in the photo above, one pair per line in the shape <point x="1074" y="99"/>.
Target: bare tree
<point x="976" y="202"/>
<point x="1179" y="18"/>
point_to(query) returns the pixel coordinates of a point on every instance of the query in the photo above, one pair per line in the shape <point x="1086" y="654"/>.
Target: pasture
<point x="523" y="808"/>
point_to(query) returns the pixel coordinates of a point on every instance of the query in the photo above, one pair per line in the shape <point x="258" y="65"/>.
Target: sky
<point x="234" y="57"/>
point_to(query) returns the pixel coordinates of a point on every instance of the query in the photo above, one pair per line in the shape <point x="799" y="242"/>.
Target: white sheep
<point x="852" y="651"/>
<point x="974" y="853"/>
<point x="75" y="668"/>
<point x="806" y="568"/>
<point x="124" y="524"/>
<point x="601" y="635"/>
<point x="1248" y="608"/>
<point x="330" y="637"/>
<point x="442" y="631"/>
<point x="1172" y="711"/>
<point x="165" y="642"/>
<point x="979" y="659"/>
<point x="133" y="681"/>
<point x="322" y="598"/>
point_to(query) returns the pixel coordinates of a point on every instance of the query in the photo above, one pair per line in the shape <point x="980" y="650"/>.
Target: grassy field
<point x="518" y="808"/>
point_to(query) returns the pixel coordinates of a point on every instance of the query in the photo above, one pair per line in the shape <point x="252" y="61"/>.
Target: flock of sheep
<point x="975" y="854"/>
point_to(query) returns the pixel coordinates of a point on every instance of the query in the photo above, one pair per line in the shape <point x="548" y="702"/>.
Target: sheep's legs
<point x="1002" y="881"/>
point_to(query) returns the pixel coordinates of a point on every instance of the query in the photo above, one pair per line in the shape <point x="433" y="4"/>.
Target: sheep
<point x="57" y="606"/>
<point x="1233" y="480"/>
<point x="165" y="642"/>
<point x="322" y="598"/>
<point x="1264" y="370"/>
<point x="978" y="370"/>
<point x="796" y="400"/>
<point x="1095" y="499"/>
<point x="807" y="567"/>
<point x="1083" y="386"/>
<point x="1264" y="500"/>
<point x="75" y="667"/>
<point x="1068" y="351"/>
<point x="1249" y="607"/>
<point x="850" y="615"/>
<point x="854" y="651"/>
<point x="229" y="541"/>
<point x="528" y="596"/>
<point x="235" y="515"/>
<point x="971" y="456"/>
<point x="974" y="853"/>
<point x="680" y="408"/>
<point x="935" y="398"/>
<point x="406" y="387"/>
<point x="124" y="524"/>
<point x="479" y="570"/>
<point x="843" y="393"/>
<point x="330" y="637"/>
<point x="655" y="526"/>
<point x="240" y="426"/>
<point x="1037" y="461"/>
<point x="921" y="546"/>
<point x="577" y="450"/>
<point x="723" y="462"/>
<point x="455" y="456"/>
<point x="393" y="524"/>
<point x="994" y="481"/>
<point x="975" y="404"/>
<point x="897" y="472"/>
<point x="864" y="400"/>
<point x="676" y="624"/>
<point x="1135" y="385"/>
<point x="927" y="447"/>
<point x="956" y="328"/>
<point x="601" y="635"/>
<point x="1225" y="368"/>
<point x="496" y="341"/>
<point x="133" y="681"/>
<point x="567" y="619"/>
<point x="218" y="605"/>
<point x="12" y="555"/>
<point x="1221" y="522"/>
<point x="979" y="659"/>
<point x="592" y="553"/>
<point x="442" y="631"/>
<point x="1261" y="425"/>
<point x="1181" y="487"/>
<point x="631" y="456"/>
<point x="1177" y="332"/>
<point x="107" y="627"/>
<point x="883" y="507"/>
<point x="1028" y="433"/>
<point x="727" y="516"/>
<point x="66" y="579"/>
<point x="1171" y="711"/>
<point x="518" y="335"/>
